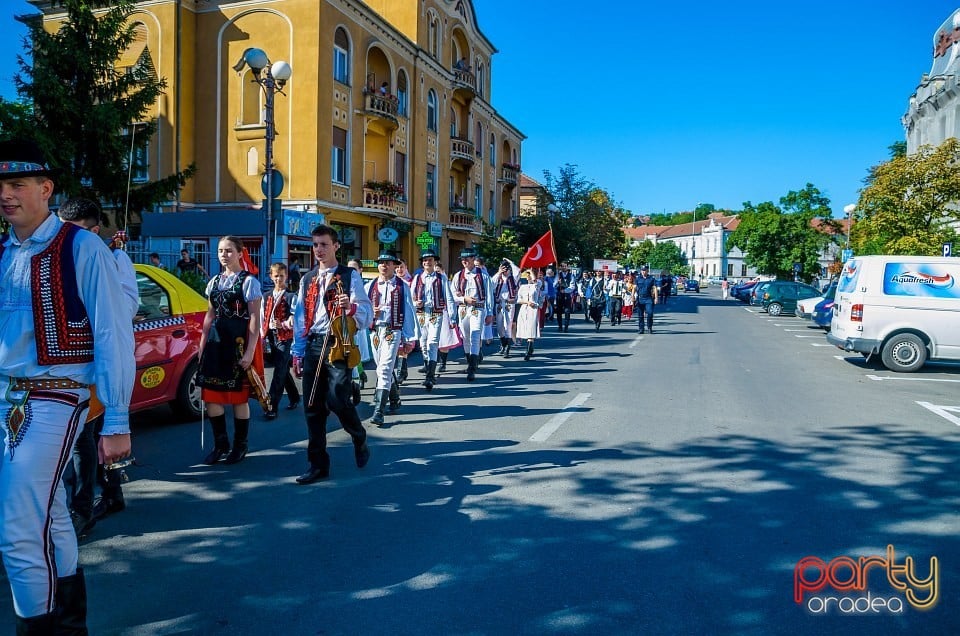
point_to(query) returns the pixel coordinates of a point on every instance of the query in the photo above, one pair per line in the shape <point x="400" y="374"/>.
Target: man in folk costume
<point x="392" y="331"/>
<point x="470" y="289"/>
<point x="566" y="294"/>
<point x="504" y="286"/>
<point x="434" y="308"/>
<point x="327" y="292"/>
<point x="62" y="330"/>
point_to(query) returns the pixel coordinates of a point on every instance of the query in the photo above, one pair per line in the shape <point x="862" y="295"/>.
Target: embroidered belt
<point x="26" y="384"/>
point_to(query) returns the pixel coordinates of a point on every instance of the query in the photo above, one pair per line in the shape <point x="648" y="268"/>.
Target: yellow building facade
<point x="386" y="123"/>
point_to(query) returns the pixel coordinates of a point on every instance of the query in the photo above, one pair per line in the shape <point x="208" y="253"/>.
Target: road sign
<point x="797" y="267"/>
<point x="847" y="255"/>
<point x="948" y="249"/>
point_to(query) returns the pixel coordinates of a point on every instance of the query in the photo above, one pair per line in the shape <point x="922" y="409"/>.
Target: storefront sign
<point x="435" y="228"/>
<point x="425" y="241"/>
<point x="296" y="223"/>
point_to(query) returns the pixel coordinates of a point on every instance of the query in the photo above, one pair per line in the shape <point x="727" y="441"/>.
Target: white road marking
<point x="635" y="342"/>
<point x="813" y="335"/>
<point x="821" y="344"/>
<point x="557" y="420"/>
<point x="943" y="411"/>
<point x="799" y="330"/>
<point x="896" y="377"/>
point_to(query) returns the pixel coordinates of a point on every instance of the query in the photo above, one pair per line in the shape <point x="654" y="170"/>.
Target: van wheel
<point x="904" y="353"/>
<point x="187" y="406"/>
<point x="774" y="309"/>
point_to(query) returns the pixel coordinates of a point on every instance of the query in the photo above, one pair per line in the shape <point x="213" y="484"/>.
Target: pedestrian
<point x="392" y="331"/>
<point x="155" y="261"/>
<point x="529" y="299"/>
<point x="434" y="305"/>
<point x="629" y="288"/>
<point x="294" y="275"/>
<point x="616" y="289"/>
<point x="566" y="296"/>
<point x="598" y="300"/>
<point x="327" y="291"/>
<point x="188" y="265"/>
<point x="470" y="290"/>
<point x="666" y="283"/>
<point x="229" y="347"/>
<point x="404" y="273"/>
<point x="362" y="339"/>
<point x="504" y="299"/>
<point x="276" y="328"/>
<point x="61" y="333"/>
<point x="583" y="291"/>
<point x="550" y="293"/>
<point x="724" y="288"/>
<point x="84" y="511"/>
<point x="645" y="297"/>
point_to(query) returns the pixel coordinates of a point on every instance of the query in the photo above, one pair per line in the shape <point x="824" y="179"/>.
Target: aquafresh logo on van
<point x="865" y="576"/>
<point x="922" y="278"/>
<point x="850" y="269"/>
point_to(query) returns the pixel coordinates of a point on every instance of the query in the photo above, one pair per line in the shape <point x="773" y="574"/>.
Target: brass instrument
<point x="259" y="390"/>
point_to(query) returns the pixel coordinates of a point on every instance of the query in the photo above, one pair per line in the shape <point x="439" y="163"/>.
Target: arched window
<point x="493" y="150"/>
<point x="433" y="35"/>
<point x="453" y="123"/>
<point x="402" y="97"/>
<point x="479" y="67"/>
<point x="341" y="57"/>
<point x="432" y="110"/>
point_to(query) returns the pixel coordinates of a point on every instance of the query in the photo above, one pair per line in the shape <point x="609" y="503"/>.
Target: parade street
<point x="615" y="484"/>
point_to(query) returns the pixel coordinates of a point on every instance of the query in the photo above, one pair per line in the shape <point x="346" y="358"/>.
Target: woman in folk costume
<point x="229" y="346"/>
<point x="530" y="300"/>
<point x="628" y="292"/>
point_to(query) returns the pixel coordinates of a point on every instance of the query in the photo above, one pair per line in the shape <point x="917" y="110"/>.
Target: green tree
<point x="667" y="256"/>
<point x="587" y="224"/>
<point x="909" y="202"/>
<point x="638" y="255"/>
<point x="82" y="108"/>
<point x="495" y="247"/>
<point x="774" y="238"/>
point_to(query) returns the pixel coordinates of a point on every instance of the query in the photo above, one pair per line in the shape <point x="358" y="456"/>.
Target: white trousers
<point x="430" y="326"/>
<point x="471" y="327"/>
<point x="386" y="344"/>
<point x="505" y="321"/>
<point x="37" y="538"/>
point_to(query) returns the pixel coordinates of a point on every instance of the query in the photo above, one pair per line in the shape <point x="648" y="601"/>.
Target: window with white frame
<point x="341" y="57"/>
<point x="478" y="200"/>
<point x="338" y="156"/>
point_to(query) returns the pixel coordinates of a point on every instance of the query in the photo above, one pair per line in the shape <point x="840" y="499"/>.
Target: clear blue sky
<point x="669" y="104"/>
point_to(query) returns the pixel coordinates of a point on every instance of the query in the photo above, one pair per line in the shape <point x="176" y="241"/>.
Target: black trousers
<point x="616" y="309"/>
<point x="333" y="395"/>
<point x="282" y="378"/>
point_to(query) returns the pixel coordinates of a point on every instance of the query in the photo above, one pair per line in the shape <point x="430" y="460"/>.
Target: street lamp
<point x="271" y="78"/>
<point x="849" y="210"/>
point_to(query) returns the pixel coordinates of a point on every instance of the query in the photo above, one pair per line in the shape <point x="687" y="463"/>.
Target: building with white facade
<point x="933" y="114"/>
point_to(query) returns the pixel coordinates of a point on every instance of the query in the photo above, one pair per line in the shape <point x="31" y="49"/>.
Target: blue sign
<point x="296" y="223"/>
<point x="847" y="255"/>
<point x="948" y="249"/>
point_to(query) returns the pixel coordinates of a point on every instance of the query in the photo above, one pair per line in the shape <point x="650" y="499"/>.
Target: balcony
<point x="382" y="107"/>
<point x="463" y="151"/>
<point x="464" y="81"/>
<point x="509" y="174"/>
<point x="464" y="219"/>
<point x="380" y="202"/>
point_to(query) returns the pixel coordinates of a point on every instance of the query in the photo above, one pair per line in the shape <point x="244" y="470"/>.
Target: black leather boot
<point x="404" y="373"/>
<point x="442" y="359"/>
<point x="241" y="430"/>
<point x="42" y="625"/>
<point x="221" y="441"/>
<point x="394" y="398"/>
<point x="431" y="378"/>
<point x="379" y="402"/>
<point x="529" y="350"/>
<point x="506" y="351"/>
<point x="71" y="609"/>
<point x="471" y="367"/>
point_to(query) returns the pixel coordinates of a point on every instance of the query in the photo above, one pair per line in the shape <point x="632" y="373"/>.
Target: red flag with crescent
<point x="540" y="253"/>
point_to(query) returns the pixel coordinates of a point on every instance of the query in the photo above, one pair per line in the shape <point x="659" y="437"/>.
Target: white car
<point x="806" y="306"/>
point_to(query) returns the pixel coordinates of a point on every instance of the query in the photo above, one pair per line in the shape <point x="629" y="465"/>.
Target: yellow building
<point x="386" y="122"/>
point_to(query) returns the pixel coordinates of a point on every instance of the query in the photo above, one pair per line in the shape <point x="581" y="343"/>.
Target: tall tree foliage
<point x="587" y="225"/>
<point x="82" y="107"/>
<point x="909" y="202"/>
<point x="774" y="238"/>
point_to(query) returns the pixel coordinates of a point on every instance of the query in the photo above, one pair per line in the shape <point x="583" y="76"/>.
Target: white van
<point x="906" y="308"/>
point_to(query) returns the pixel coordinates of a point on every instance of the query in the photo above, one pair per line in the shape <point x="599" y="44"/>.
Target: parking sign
<point x="948" y="249"/>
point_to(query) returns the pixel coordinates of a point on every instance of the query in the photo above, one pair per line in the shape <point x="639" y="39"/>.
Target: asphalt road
<point x="615" y="484"/>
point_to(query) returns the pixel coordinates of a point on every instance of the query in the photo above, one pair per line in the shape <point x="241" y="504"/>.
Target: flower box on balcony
<point x="388" y="188"/>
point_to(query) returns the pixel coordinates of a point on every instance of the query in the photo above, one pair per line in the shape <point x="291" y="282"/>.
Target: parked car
<point x="756" y="294"/>
<point x="714" y="280"/>
<point x="903" y="307"/>
<point x="741" y="291"/>
<point x="806" y="307"/>
<point x="691" y="285"/>
<point x="166" y="333"/>
<point x="822" y="314"/>
<point x="782" y="295"/>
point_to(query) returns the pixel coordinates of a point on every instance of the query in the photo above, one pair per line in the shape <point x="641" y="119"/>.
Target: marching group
<point x="67" y="366"/>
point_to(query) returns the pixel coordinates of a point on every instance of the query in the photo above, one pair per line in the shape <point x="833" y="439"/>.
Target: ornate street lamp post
<point x="271" y="78"/>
